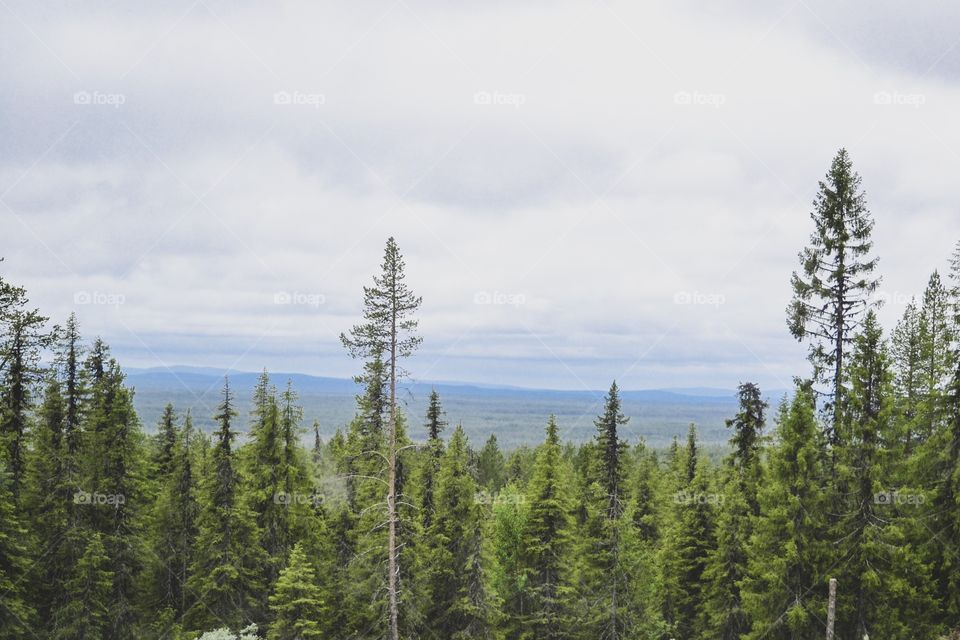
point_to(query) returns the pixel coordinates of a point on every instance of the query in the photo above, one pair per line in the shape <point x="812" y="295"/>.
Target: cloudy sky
<point x="583" y="190"/>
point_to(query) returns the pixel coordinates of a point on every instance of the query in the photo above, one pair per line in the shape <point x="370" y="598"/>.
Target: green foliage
<point x="785" y="589"/>
<point x="547" y="542"/>
<point x="459" y="602"/>
<point x="491" y="467"/>
<point x="831" y="293"/>
<point x="297" y="602"/>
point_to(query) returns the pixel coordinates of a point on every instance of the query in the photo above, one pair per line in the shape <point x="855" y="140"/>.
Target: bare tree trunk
<point x="392" y="486"/>
<point x="831" y="608"/>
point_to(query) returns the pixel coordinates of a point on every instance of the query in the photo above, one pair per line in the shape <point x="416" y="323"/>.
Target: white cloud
<point x="584" y="187"/>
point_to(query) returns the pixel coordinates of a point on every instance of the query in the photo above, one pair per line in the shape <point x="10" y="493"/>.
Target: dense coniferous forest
<point x="399" y="527"/>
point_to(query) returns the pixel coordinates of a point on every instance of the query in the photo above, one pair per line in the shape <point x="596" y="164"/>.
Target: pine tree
<point x="741" y="506"/>
<point x="458" y="600"/>
<point x="547" y="543"/>
<point x="297" y="603"/>
<point x="784" y="592"/>
<point x="388" y="334"/>
<point x="832" y="292"/>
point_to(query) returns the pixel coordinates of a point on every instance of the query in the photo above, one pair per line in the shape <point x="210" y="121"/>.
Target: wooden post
<point x="831" y="608"/>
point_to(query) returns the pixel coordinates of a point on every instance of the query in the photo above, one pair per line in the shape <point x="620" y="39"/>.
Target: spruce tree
<point x="174" y="530"/>
<point x="115" y="460"/>
<point x="297" y="603"/>
<point x="491" y="467"/>
<point x="55" y="468"/>
<point x="387" y="334"/>
<point x="547" y="543"/>
<point x="229" y="565"/>
<point x="907" y="361"/>
<point x="459" y="605"/>
<point x="784" y="592"/>
<point x="613" y="566"/>
<point x="166" y="440"/>
<point x="878" y="568"/>
<point x="936" y="338"/>
<point x="430" y="467"/>
<point x="833" y="289"/>
<point x="691" y="545"/>
<point x="741" y="476"/>
<point x="23" y="334"/>
<point x="17" y="615"/>
<point x="87" y="615"/>
<point x="509" y="573"/>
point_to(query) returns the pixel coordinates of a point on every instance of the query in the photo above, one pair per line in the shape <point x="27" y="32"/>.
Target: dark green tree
<point x="491" y="468"/>
<point x="387" y="334"/>
<point x="174" y="530"/>
<point x="430" y="468"/>
<point x="833" y="289"/>
<point x="877" y="568"/>
<point x="115" y="459"/>
<point x="86" y="614"/>
<point x="907" y="361"/>
<point x="784" y="592"/>
<point x="459" y="602"/>
<point x="17" y="615"/>
<point x="23" y="334"/>
<point x="547" y="544"/>
<point x="692" y="543"/>
<point x="741" y="506"/>
<point x="229" y="565"/>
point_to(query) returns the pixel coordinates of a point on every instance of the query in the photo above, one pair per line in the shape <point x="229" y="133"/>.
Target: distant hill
<point x="516" y="415"/>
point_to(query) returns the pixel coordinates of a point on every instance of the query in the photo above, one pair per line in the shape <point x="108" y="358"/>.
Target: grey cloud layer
<point x="581" y="192"/>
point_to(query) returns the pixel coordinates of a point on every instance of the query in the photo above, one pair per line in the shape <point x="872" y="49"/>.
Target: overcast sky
<point x="583" y="191"/>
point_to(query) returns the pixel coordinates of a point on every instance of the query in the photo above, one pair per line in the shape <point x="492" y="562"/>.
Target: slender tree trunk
<point x="838" y="364"/>
<point x="392" y="486"/>
<point x="831" y="608"/>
